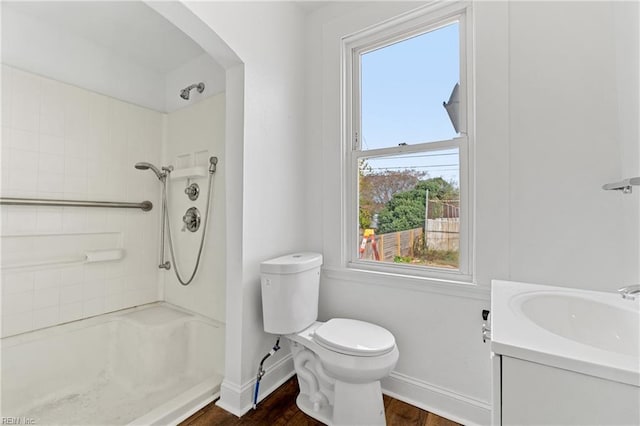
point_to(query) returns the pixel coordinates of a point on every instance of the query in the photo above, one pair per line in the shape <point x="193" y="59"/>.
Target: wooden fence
<point x="442" y="234"/>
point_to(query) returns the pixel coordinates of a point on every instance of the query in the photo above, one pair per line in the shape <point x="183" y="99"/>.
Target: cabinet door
<point x="534" y="394"/>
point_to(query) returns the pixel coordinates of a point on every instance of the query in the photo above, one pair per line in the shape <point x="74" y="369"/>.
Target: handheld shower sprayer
<point x="148" y="166"/>
<point x="143" y="165"/>
<point x="184" y="93"/>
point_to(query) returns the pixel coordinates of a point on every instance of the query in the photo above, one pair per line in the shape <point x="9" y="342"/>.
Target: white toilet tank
<point x="290" y="286"/>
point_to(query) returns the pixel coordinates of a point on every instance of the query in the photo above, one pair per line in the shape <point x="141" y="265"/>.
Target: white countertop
<point x="514" y="334"/>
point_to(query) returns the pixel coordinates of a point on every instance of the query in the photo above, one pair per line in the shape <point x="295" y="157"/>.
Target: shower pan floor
<point x="109" y="403"/>
<point x="153" y="364"/>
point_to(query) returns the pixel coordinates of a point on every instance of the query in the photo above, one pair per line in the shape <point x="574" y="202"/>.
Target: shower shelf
<point x="189" y="173"/>
<point x="625" y="185"/>
<point x="90" y="256"/>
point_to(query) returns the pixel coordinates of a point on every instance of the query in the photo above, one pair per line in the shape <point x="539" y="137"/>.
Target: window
<point x="407" y="145"/>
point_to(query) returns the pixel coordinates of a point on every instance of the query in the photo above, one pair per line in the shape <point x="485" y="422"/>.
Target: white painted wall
<point x="63" y="142"/>
<point x="198" y="131"/>
<point x="626" y="16"/>
<point x="553" y="123"/>
<point x="268" y="38"/>
<point x="566" y="140"/>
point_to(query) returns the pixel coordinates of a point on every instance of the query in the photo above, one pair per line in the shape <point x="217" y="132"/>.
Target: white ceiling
<point x="130" y="28"/>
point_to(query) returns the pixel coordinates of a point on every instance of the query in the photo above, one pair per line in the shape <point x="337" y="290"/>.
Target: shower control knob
<point x="191" y="219"/>
<point x="192" y="191"/>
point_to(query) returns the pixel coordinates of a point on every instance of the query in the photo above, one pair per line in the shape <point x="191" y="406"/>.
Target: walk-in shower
<point x="91" y="331"/>
<point x="191" y="219"/>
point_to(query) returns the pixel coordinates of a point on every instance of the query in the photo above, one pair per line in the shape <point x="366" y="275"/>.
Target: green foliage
<point x="406" y="209"/>
<point x="403" y="259"/>
<point x="377" y="188"/>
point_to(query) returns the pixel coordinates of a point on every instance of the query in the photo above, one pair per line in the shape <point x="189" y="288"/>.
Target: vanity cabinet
<point x="563" y="356"/>
<point x="534" y="394"/>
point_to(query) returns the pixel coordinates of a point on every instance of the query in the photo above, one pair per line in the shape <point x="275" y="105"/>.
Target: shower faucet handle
<point x="192" y="191"/>
<point x="191" y="219"/>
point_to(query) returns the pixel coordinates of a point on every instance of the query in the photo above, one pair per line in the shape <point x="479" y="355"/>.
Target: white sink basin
<point x="585" y="320"/>
<point x="591" y="332"/>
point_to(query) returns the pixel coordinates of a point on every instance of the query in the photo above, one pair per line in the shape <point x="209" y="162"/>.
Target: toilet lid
<point x="353" y="337"/>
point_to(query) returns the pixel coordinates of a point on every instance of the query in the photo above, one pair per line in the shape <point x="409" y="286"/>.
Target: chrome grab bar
<point x="145" y="205"/>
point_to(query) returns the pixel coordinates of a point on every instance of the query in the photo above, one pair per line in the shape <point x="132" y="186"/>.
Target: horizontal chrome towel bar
<point x="145" y="205"/>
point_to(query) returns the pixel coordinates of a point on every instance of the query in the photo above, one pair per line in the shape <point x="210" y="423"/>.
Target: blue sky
<point x="403" y="87"/>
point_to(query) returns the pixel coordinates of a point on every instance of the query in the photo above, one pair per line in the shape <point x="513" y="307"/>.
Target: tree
<point x="406" y="209"/>
<point x="377" y="189"/>
<point x="380" y="187"/>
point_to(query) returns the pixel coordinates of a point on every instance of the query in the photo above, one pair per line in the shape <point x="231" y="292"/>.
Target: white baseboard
<point x="443" y="402"/>
<point x="238" y="400"/>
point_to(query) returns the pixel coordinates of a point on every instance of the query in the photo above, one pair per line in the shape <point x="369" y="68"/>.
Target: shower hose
<point x="166" y="222"/>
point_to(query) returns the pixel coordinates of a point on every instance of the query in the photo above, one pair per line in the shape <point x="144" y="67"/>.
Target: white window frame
<point x="431" y="17"/>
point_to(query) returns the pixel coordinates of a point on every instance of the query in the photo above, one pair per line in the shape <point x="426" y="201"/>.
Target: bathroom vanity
<point x="564" y="356"/>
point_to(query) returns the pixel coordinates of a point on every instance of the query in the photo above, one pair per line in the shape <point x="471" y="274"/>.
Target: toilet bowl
<point x="340" y="362"/>
<point x="341" y="388"/>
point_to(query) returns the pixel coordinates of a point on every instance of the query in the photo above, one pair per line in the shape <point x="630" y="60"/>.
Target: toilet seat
<point x="353" y="337"/>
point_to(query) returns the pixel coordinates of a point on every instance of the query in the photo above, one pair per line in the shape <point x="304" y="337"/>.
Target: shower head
<point x="184" y="93"/>
<point x="146" y="166"/>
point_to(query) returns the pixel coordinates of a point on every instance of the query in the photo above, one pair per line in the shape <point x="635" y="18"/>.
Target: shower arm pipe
<point x="144" y="206"/>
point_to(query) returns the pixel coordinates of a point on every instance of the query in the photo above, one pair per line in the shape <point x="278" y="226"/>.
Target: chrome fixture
<point x="9" y="201"/>
<point x="162" y="176"/>
<point x="148" y="166"/>
<point x="184" y="93"/>
<point x="191" y="220"/>
<point x="486" y="326"/>
<point x="192" y="191"/>
<point x="626" y="186"/>
<point x="629" y="292"/>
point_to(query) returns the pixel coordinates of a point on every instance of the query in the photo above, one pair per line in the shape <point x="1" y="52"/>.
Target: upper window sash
<point x="433" y="17"/>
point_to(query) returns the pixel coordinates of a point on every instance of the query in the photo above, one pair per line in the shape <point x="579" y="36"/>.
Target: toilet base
<point x="355" y="404"/>
<point x="323" y="414"/>
<point x="358" y="404"/>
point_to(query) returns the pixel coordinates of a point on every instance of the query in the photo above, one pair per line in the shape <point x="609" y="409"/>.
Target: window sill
<point x="446" y="287"/>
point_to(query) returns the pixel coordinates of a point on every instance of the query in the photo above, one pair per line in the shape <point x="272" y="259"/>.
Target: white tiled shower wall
<point x="63" y="142"/>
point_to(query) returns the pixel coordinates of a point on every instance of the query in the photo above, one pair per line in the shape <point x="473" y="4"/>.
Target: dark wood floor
<point x="280" y="408"/>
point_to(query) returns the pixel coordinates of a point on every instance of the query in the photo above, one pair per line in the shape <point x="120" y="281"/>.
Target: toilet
<point x="340" y="362"/>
